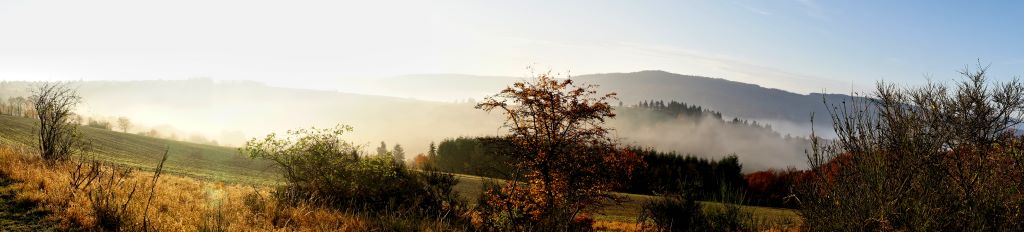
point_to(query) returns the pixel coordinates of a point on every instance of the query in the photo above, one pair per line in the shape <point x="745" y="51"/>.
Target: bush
<point x="673" y="213"/>
<point x="110" y="204"/>
<point x="54" y="104"/>
<point x="322" y="169"/>
<point x="99" y="124"/>
<point x="929" y="158"/>
<point x="682" y="212"/>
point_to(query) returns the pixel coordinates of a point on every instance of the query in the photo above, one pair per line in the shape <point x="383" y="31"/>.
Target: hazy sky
<point x="800" y="46"/>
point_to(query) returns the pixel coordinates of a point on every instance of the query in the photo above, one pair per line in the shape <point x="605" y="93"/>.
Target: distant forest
<point x="662" y="173"/>
<point x="674" y="109"/>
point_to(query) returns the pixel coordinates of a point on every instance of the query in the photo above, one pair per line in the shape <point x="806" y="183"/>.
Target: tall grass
<point x="178" y="203"/>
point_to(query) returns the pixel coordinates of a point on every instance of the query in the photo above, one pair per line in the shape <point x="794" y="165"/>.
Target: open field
<point x="207" y="162"/>
<point x="470" y="186"/>
<point x="224" y="164"/>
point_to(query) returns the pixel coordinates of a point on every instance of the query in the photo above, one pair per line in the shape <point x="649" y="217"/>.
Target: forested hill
<point x="729" y="97"/>
<point x="674" y="109"/>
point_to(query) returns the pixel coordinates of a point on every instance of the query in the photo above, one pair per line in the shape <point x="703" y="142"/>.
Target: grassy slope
<point x="216" y="163"/>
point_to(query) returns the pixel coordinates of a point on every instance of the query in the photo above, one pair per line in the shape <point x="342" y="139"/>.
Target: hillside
<point x="729" y="97"/>
<point x="206" y="162"/>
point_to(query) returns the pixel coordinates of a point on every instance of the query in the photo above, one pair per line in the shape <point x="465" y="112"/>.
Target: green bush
<point x="673" y="213"/>
<point x="682" y="212"/>
<point x="320" y="168"/>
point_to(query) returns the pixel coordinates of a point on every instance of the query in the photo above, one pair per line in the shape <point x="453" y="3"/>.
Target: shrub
<point x="929" y="158"/>
<point x="111" y="206"/>
<point x="682" y="212"/>
<point x="99" y="124"/>
<point x="673" y="213"/>
<point x="320" y="168"/>
<point x="54" y="103"/>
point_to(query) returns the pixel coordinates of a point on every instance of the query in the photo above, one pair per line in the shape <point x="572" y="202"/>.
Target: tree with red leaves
<point x="566" y="160"/>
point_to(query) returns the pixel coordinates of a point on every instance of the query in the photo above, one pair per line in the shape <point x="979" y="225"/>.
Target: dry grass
<point x="179" y="203"/>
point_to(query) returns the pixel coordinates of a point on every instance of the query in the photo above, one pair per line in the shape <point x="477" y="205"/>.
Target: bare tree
<point x="54" y="103"/>
<point x="17" y="106"/>
<point x="124" y="124"/>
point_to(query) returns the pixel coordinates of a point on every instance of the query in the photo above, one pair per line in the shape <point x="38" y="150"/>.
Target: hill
<point x="207" y="162"/>
<point x="789" y="112"/>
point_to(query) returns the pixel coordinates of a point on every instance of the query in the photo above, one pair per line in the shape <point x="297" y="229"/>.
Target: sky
<point x="801" y="46"/>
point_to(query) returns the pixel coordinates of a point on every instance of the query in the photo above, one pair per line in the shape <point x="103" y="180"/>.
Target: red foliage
<point x="772" y="187"/>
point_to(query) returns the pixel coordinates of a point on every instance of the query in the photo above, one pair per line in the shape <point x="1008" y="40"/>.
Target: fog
<point x="713" y="138"/>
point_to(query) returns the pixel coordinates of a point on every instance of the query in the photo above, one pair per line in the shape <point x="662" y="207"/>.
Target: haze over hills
<point x="788" y="112"/>
<point x="232" y="111"/>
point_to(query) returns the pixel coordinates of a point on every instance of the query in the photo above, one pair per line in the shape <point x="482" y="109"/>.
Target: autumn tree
<point x="567" y="160"/>
<point x="124" y="124"/>
<point x="420" y="160"/>
<point x="54" y="103"/>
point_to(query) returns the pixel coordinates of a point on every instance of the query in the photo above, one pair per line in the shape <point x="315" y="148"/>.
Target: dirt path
<point x="19" y="216"/>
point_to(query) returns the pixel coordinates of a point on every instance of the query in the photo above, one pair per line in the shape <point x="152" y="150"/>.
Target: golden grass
<point x="179" y="203"/>
<point x="618" y="226"/>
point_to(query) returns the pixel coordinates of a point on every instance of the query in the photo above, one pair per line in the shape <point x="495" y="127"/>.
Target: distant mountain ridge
<point x="734" y="99"/>
<point x="729" y="97"/>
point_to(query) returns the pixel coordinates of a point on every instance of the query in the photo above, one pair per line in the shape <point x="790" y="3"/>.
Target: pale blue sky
<point x="800" y="46"/>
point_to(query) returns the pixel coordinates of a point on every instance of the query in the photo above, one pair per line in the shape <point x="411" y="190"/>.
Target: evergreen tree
<point x="398" y="153"/>
<point x="433" y="151"/>
<point x="383" y="149"/>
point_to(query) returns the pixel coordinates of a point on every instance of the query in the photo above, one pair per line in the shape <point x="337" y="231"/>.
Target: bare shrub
<point x="54" y="103"/>
<point x="928" y="158"/>
<point x="111" y="206"/>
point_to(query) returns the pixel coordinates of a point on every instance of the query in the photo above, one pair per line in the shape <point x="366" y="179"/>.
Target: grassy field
<point x="207" y="162"/>
<point x="225" y="164"/>
<point x="470" y="187"/>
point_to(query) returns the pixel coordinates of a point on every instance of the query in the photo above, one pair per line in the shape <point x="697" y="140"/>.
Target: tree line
<point x="661" y="173"/>
<point x="675" y="109"/>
